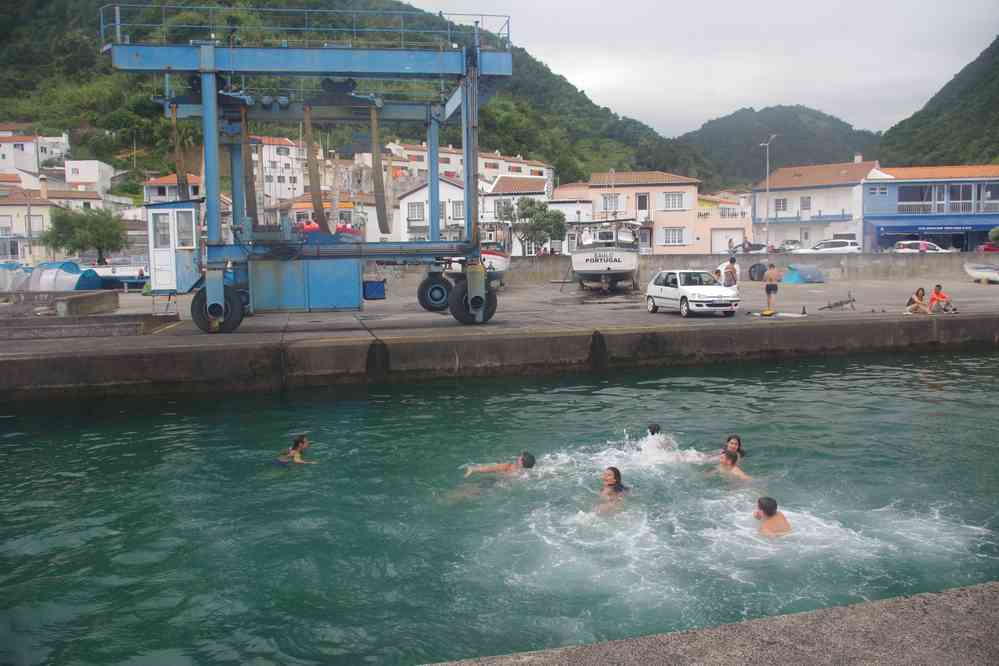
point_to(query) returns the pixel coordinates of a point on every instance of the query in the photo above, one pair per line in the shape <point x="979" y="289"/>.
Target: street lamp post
<point x="766" y="214"/>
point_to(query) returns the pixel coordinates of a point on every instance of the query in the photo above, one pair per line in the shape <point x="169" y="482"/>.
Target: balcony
<point x="950" y="207"/>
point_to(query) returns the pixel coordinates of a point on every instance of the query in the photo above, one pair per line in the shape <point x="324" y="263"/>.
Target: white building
<point x="278" y="167"/>
<point x="507" y="191"/>
<point x="90" y="175"/>
<point x="414" y="212"/>
<point x="811" y="203"/>
<point x="19" y="152"/>
<point x="53" y="147"/>
<point x="164" y="188"/>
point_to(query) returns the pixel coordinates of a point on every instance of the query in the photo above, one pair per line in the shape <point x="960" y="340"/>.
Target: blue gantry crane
<point x="260" y="268"/>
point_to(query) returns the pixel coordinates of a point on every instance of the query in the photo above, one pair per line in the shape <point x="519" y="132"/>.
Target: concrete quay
<point x="540" y="329"/>
<point x="951" y="627"/>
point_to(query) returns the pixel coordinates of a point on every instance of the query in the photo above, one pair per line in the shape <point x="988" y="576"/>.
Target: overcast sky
<point x="676" y="64"/>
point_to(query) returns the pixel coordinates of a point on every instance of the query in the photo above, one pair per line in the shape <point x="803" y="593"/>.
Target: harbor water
<point x="163" y="533"/>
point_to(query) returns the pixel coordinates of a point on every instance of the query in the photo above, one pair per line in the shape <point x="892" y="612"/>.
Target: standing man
<point x="730" y="274"/>
<point x="731" y="246"/>
<point x="770" y="279"/>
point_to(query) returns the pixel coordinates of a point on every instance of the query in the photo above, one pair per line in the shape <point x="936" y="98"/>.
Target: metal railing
<point x="329" y="28"/>
<point x="939" y="207"/>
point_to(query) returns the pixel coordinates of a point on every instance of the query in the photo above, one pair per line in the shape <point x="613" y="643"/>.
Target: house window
<point x="529" y="248"/>
<point x="872" y="189"/>
<point x="642" y="202"/>
<point x="293" y="179"/>
<point x="441" y="208"/>
<point x="457" y="210"/>
<point x="414" y="210"/>
<point x="780" y="205"/>
<point x="672" y="200"/>
<point x="75" y="171"/>
<point x="301" y="216"/>
<point x="44" y="150"/>
<point x="450" y="174"/>
<point x="287" y="165"/>
<point x="421" y="172"/>
<point x="19" y="147"/>
<point x="537" y="172"/>
<point x="283" y="152"/>
<point x="268" y="179"/>
<point x="671" y="235"/>
<point x="272" y="165"/>
<point x="806" y="203"/>
<point x="882" y="190"/>
<point x="491" y="165"/>
<point x="444" y="160"/>
<point x="280" y="179"/>
<point x="161" y="191"/>
<point x="416" y="158"/>
<point x="86" y="205"/>
<point x="6" y="225"/>
<point x="515" y="169"/>
<point x="611" y="202"/>
<point x="161" y="231"/>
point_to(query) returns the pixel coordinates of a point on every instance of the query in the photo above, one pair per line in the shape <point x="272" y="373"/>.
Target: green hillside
<point x="52" y="74"/>
<point x="805" y="136"/>
<point x="959" y="125"/>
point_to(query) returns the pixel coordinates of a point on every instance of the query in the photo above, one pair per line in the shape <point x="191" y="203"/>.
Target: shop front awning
<point x="950" y="224"/>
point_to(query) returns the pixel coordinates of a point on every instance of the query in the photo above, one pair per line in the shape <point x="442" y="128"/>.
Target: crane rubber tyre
<point x="231" y="319"/>
<point x="434" y="293"/>
<point x="458" y="304"/>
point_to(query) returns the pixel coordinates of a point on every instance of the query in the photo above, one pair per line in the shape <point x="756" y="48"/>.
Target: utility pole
<point x="766" y="215"/>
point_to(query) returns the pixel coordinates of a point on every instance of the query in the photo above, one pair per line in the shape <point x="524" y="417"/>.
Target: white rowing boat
<point x="983" y="272"/>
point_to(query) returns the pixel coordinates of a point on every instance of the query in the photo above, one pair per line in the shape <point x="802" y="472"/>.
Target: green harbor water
<point x="161" y="532"/>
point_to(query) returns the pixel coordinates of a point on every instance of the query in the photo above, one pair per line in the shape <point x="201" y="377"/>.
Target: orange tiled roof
<point x="171" y="179"/>
<point x="816" y="175"/>
<point x="519" y="185"/>
<point x="632" y="178"/>
<point x="943" y="172"/>
<point x="14" y="127"/>
<point x="273" y="140"/>
<point x="423" y="183"/>
<point x="10" y="178"/>
<point x="17" y="197"/>
<point x="67" y="194"/>
<point x="18" y="139"/>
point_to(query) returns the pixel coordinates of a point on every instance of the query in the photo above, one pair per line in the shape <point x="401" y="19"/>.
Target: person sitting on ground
<point x="728" y="465"/>
<point x="294" y="453"/>
<point x="733" y="443"/>
<point x="917" y="303"/>
<point x="773" y="522"/>
<point x="524" y="461"/>
<point x="940" y="302"/>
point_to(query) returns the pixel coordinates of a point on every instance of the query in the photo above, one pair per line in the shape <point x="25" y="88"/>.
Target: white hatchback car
<point x="690" y="292"/>
<point x="831" y="247"/>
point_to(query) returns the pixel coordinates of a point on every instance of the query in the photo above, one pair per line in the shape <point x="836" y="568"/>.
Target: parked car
<point x="831" y="247"/>
<point x="690" y="292"/>
<point x="988" y="247"/>
<point x="913" y="246"/>
<point x="789" y="246"/>
<point x="754" y="248"/>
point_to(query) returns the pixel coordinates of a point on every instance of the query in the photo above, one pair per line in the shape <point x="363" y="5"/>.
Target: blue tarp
<point x="802" y="274"/>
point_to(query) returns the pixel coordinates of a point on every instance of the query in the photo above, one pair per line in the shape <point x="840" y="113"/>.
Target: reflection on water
<point x="161" y="531"/>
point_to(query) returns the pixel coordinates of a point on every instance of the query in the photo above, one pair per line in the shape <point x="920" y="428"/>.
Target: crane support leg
<point x="378" y="178"/>
<point x="315" y="185"/>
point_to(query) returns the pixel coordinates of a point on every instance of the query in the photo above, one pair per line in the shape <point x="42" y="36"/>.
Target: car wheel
<point x="684" y="308"/>
<point x="650" y="305"/>
<point x="729" y="313"/>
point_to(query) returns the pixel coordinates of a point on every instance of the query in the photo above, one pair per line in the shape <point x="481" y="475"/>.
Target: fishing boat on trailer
<point x="494" y="248"/>
<point x="607" y="254"/>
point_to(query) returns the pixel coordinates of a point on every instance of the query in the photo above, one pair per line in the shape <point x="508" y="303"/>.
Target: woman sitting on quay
<point x="917" y="303"/>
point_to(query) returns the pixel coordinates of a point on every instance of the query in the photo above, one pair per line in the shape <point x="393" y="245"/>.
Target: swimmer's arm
<point x="740" y="474"/>
<point x="297" y="458"/>
<point x="488" y="469"/>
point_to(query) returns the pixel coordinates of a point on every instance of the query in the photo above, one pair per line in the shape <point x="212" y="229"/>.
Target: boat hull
<point x="983" y="272"/>
<point x="605" y="265"/>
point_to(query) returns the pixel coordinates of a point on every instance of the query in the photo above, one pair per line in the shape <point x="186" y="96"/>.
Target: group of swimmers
<point x="613" y="490"/>
<point x="939" y="302"/>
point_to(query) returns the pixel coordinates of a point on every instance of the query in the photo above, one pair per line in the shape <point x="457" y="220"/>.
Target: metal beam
<point x="218" y="254"/>
<point x="433" y="177"/>
<point x="453" y="103"/>
<point x="391" y="112"/>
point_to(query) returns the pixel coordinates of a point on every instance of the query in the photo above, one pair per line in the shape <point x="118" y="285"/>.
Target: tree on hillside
<point x="76" y="231"/>
<point x="533" y="221"/>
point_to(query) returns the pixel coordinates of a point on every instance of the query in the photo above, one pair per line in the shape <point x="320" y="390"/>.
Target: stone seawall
<point x="215" y="365"/>
<point x="884" y="266"/>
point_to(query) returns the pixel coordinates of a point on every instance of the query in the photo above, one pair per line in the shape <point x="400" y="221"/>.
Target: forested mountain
<point x="959" y="125"/>
<point x="52" y="74"/>
<point x="804" y="136"/>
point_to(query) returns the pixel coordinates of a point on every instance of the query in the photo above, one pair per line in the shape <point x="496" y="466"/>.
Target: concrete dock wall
<point x="216" y="364"/>
<point x="951" y="627"/>
<point x="527" y="271"/>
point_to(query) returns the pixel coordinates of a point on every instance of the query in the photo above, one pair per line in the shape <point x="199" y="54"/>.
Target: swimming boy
<point x="773" y="522"/>
<point x="728" y="465"/>
<point x="294" y="453"/>
<point x="524" y="461"/>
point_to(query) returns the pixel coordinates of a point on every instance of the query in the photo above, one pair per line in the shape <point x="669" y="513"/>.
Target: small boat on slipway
<point x="983" y="273"/>
<point x="607" y="255"/>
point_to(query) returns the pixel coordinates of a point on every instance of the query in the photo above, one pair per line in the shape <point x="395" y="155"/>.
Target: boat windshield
<point x="698" y="279"/>
<point x="624" y="238"/>
<point x="499" y="246"/>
